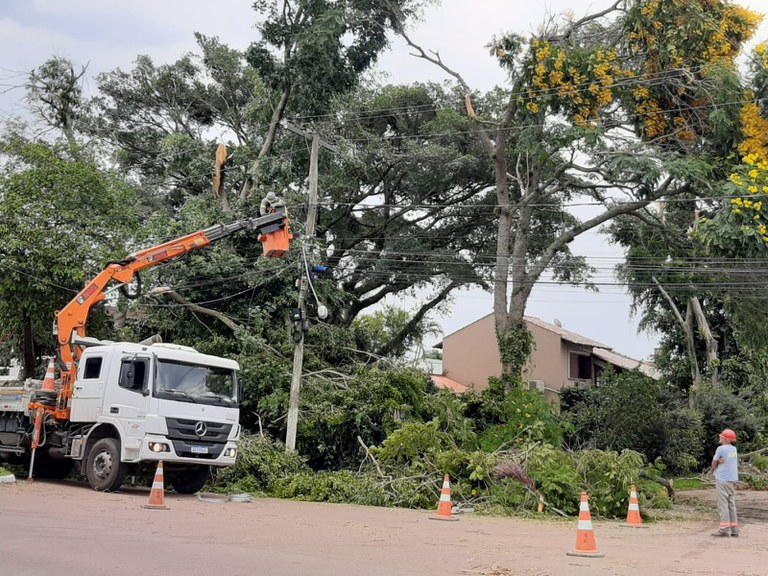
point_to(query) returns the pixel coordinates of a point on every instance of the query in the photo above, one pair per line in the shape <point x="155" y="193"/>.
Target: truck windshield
<point x="195" y="383"/>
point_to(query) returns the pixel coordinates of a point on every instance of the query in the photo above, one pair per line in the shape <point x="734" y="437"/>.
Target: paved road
<point x="67" y="529"/>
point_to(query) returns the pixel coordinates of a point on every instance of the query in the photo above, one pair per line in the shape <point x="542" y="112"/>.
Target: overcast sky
<point x="108" y="34"/>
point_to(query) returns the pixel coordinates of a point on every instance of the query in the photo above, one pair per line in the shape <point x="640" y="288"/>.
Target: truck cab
<point x="134" y="404"/>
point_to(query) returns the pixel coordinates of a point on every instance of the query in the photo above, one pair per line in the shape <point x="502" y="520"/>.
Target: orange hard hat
<point x="729" y="435"/>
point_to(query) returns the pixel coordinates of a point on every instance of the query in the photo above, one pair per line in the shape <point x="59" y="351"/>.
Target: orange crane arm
<point x="274" y="234"/>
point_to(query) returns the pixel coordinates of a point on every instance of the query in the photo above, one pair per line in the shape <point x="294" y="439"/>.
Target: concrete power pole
<point x="298" y="350"/>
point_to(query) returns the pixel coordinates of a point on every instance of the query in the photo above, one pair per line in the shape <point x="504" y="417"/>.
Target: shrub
<point x="514" y="419"/>
<point x="341" y="486"/>
<point x="721" y="409"/>
<point x="260" y="463"/>
<point x="371" y="405"/>
<point x="682" y="434"/>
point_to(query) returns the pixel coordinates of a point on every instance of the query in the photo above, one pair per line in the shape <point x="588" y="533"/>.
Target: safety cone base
<point x="585" y="554"/>
<point x="445" y="518"/>
<point x="151" y="507"/>
<point x="625" y="525"/>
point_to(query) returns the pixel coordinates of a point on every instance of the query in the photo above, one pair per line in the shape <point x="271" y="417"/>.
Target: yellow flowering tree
<point x="741" y="227"/>
<point x="736" y="235"/>
<point x="684" y="52"/>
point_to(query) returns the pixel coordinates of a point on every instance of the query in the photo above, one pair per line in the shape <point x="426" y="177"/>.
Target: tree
<point x="561" y="135"/>
<point x="702" y="254"/>
<point x="403" y="202"/>
<point x="55" y="93"/>
<point x="61" y="219"/>
<point x="312" y="51"/>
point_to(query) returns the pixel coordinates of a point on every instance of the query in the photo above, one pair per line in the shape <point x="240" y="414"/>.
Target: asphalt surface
<point x="68" y="529"/>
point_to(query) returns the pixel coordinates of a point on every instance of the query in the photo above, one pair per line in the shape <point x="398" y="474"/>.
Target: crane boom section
<point x="70" y="321"/>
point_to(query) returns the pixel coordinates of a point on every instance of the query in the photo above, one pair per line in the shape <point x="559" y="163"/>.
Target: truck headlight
<point x="158" y="447"/>
<point x="230" y="452"/>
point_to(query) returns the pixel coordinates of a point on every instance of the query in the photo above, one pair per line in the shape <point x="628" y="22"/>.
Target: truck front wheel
<point x="188" y="480"/>
<point x="104" y="470"/>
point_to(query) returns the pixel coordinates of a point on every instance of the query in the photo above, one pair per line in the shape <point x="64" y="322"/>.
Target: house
<point x="560" y="359"/>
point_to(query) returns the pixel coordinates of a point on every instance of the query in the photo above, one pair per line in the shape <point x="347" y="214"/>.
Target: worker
<point x="725" y="466"/>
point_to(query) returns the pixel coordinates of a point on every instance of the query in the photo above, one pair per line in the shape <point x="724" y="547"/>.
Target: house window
<point x="579" y="366"/>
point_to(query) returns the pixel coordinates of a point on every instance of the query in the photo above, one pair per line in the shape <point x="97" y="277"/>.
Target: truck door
<point x="127" y="403"/>
<point x="88" y="393"/>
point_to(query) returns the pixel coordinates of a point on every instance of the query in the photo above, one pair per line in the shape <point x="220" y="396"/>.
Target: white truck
<point x="120" y="406"/>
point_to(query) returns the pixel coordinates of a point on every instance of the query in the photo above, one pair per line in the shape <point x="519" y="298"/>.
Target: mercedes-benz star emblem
<point x="201" y="429"/>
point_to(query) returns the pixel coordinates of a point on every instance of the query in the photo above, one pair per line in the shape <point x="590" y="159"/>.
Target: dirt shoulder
<point x="751" y="505"/>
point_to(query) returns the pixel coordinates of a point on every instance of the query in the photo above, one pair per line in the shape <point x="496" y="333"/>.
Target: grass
<point x="5" y="471"/>
<point x="682" y="484"/>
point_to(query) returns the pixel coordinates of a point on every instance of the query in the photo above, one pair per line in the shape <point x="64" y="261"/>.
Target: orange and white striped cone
<point x="49" y="382"/>
<point x="634" y="520"/>
<point x="157" y="495"/>
<point x="585" y="538"/>
<point x="445" y="507"/>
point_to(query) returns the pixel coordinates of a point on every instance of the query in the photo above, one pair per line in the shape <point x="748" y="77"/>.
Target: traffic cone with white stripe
<point x="445" y="507"/>
<point x="585" y="538"/>
<point x="157" y="495"/>
<point x="49" y="382"/>
<point x="634" y="520"/>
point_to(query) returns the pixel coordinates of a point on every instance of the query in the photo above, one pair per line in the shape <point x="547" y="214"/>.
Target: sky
<point x="108" y="34"/>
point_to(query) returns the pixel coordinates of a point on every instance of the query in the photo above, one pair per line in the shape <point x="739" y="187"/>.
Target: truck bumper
<point x="183" y="453"/>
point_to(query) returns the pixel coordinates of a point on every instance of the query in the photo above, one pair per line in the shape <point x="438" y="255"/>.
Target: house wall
<point x="471" y="356"/>
<point x="546" y="361"/>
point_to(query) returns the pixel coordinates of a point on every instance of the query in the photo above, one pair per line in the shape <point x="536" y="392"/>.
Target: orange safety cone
<point x="49" y="382"/>
<point x="444" y="507"/>
<point x="157" y="495"/>
<point x="634" y="520"/>
<point x="585" y="538"/>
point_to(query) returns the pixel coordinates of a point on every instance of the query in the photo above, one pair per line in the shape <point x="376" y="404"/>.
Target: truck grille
<point x="189" y="443"/>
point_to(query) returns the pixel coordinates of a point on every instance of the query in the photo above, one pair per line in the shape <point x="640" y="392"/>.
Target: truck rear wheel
<point x="188" y="480"/>
<point x="104" y="470"/>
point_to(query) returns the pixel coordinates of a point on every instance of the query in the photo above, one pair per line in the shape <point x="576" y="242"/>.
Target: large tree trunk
<point x="690" y="340"/>
<point x="713" y="362"/>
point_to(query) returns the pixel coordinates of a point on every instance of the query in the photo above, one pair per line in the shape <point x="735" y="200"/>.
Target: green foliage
<point x="760" y="462"/>
<point x="324" y="46"/>
<point x="556" y="476"/>
<point x="339" y="486"/>
<point x="61" y="219"/>
<point x="683" y="484"/>
<point x="513" y="419"/>
<point x="755" y="481"/>
<point x="515" y="346"/>
<point x="682" y="435"/>
<point x="450" y="413"/>
<point x="721" y="409"/>
<point x="370" y="404"/>
<point x="607" y="475"/>
<point x="261" y="463"/>
<point x="561" y="477"/>
<point x="631" y="411"/>
<point x="413" y="441"/>
<point x="375" y="331"/>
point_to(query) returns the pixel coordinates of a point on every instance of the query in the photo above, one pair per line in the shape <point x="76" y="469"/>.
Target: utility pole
<point x="298" y="327"/>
